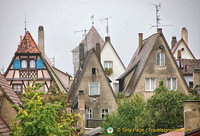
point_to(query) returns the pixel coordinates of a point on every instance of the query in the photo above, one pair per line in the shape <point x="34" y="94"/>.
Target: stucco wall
<point x="160" y="73"/>
<point x="108" y="54"/>
<point x="106" y="98"/>
<point x="185" y="54"/>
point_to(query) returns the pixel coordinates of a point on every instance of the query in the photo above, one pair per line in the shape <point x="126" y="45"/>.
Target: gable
<point x="108" y="53"/>
<point x="185" y="52"/>
<point x="160" y="73"/>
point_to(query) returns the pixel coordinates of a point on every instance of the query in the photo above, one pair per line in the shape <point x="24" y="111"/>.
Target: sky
<point x="61" y="18"/>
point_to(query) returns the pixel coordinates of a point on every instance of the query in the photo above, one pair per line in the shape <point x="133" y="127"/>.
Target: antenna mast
<point x="107" y="27"/>
<point x="25" y="23"/>
<point x="158" y="7"/>
<point x="92" y="17"/>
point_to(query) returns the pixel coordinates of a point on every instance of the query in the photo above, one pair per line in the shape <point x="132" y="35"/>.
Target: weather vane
<point x="25" y="23"/>
<point x="92" y="17"/>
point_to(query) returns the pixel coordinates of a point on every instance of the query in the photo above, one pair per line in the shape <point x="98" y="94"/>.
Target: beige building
<point x="7" y="98"/>
<point x="151" y="63"/>
<point x="91" y="94"/>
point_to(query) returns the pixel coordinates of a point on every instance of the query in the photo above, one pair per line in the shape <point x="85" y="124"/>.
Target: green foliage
<point x="108" y="71"/>
<point x="163" y="110"/>
<point x="37" y="117"/>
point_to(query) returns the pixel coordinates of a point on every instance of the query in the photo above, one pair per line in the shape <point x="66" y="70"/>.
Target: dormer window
<point x="32" y="63"/>
<point x="160" y="59"/>
<point x="24" y="64"/>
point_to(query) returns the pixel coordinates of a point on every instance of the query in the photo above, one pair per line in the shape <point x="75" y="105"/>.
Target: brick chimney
<point x="191" y="115"/>
<point x="81" y="54"/>
<point x="184" y="34"/>
<point x="159" y="30"/>
<point x="107" y="39"/>
<point x="98" y="51"/>
<point x="196" y="77"/>
<point x="81" y="109"/>
<point x="41" y="40"/>
<point x="140" y="41"/>
<point x="173" y="42"/>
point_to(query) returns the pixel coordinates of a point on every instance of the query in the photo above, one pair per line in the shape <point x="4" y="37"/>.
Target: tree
<point x="38" y="117"/>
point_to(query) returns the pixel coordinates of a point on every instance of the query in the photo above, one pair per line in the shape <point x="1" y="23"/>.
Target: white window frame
<point x="171" y="84"/>
<point x="104" y="112"/>
<point x="23" y="63"/>
<point x="16" y="86"/>
<point x="90" y="114"/>
<point x="31" y="63"/>
<point x="150" y="84"/>
<point x="98" y="93"/>
<point x="110" y="64"/>
<point x="160" y="59"/>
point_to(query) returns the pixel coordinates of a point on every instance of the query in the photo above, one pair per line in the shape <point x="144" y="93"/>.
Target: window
<point x="150" y="84"/>
<point x="17" y="88"/>
<point x="116" y="87"/>
<point x="171" y="83"/>
<point x="94" y="88"/>
<point x="160" y="59"/>
<point x="93" y="71"/>
<point x="190" y="84"/>
<point x="108" y="64"/>
<point x="104" y="112"/>
<point x="24" y="64"/>
<point x="90" y="113"/>
<point x="32" y="63"/>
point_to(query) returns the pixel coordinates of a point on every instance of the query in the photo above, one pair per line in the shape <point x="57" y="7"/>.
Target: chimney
<point x="81" y="54"/>
<point x="159" y="30"/>
<point x="41" y="40"/>
<point x="140" y="41"/>
<point x="196" y="77"/>
<point x="173" y="42"/>
<point x="191" y="115"/>
<point x="81" y="109"/>
<point x="98" y="51"/>
<point x="107" y="39"/>
<point x="184" y="34"/>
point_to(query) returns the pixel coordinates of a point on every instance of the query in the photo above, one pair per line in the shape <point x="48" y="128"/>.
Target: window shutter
<point x="16" y="64"/>
<point x="40" y="64"/>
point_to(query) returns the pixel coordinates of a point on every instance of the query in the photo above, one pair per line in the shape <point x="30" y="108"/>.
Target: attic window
<point x="24" y="64"/>
<point x="160" y="59"/>
<point x="93" y="71"/>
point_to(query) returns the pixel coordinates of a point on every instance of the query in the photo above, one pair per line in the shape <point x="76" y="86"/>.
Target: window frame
<point x="90" y="113"/>
<point x="160" y="62"/>
<point x="30" y="64"/>
<point x="21" y="88"/>
<point x="171" y="83"/>
<point x="98" y="89"/>
<point x="109" y="64"/>
<point x="150" y="79"/>
<point x="22" y="64"/>
<point x="104" y="112"/>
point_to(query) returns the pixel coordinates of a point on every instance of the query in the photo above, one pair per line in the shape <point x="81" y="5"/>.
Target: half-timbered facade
<point x="31" y="64"/>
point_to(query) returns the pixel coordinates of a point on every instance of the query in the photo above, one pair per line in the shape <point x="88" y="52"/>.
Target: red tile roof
<point x="8" y="91"/>
<point x="189" y="65"/>
<point x="27" y="45"/>
<point x="4" y="129"/>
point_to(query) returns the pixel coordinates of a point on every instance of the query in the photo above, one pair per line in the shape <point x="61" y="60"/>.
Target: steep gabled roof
<point x="4" y="128"/>
<point x="139" y="60"/>
<point x="8" y="91"/>
<point x="27" y="45"/>
<point x="177" y="45"/>
<point x="189" y="65"/>
<point x="91" y="39"/>
<point x="114" y="51"/>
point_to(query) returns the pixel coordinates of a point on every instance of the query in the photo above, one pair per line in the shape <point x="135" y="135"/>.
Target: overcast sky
<point x="61" y="18"/>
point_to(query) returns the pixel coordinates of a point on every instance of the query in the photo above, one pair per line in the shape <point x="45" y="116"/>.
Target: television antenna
<point x="84" y="34"/>
<point x="92" y="18"/>
<point x="158" y="19"/>
<point x="25" y="27"/>
<point x="107" y="27"/>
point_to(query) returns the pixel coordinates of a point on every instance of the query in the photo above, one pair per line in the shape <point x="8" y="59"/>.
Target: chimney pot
<point x="41" y="40"/>
<point x="184" y="35"/>
<point x="159" y="30"/>
<point x="173" y="42"/>
<point x="107" y="39"/>
<point x="140" y="41"/>
<point x="98" y="51"/>
<point x="81" y="54"/>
